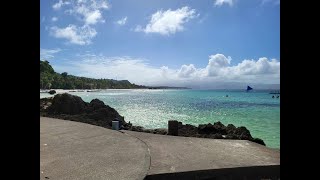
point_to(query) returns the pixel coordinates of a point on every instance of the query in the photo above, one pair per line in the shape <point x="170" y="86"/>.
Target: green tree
<point x="64" y="74"/>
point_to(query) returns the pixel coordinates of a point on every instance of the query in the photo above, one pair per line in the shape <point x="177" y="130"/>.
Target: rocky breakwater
<point x="70" y="107"/>
<point x="217" y="131"/>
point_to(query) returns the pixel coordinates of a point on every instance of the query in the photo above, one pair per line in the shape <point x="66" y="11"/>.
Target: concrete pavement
<point x="73" y="150"/>
<point x="172" y="154"/>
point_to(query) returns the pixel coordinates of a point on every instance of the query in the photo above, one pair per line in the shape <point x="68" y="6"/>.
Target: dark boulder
<point x="126" y="126"/>
<point x="52" y="92"/>
<point x="137" y="128"/>
<point x="207" y="129"/>
<point x="243" y="133"/>
<point x="74" y="108"/>
<point x="231" y="136"/>
<point x="230" y="129"/>
<point x="220" y="128"/>
<point x="45" y="103"/>
<point x="217" y="127"/>
<point x="217" y="136"/>
<point x="162" y="131"/>
<point x="258" y="140"/>
<point x="67" y="104"/>
<point x="187" y="130"/>
<point x="96" y="104"/>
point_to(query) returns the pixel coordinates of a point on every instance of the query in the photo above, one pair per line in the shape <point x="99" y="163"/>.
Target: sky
<point x="192" y="43"/>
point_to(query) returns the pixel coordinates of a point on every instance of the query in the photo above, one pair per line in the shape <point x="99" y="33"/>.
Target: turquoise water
<point x="153" y="108"/>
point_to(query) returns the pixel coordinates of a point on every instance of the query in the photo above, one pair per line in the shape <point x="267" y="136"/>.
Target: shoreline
<point x="71" y="107"/>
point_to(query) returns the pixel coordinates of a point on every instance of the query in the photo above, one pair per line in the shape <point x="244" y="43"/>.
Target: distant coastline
<point x="49" y="79"/>
<point x="97" y="90"/>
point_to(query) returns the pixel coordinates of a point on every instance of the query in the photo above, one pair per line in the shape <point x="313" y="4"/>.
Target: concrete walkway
<point x="173" y="154"/>
<point x="72" y="150"/>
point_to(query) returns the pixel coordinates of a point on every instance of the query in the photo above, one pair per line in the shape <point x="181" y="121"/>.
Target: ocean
<point x="257" y="110"/>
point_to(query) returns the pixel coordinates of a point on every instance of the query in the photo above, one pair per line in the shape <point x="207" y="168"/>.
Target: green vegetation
<point x="52" y="80"/>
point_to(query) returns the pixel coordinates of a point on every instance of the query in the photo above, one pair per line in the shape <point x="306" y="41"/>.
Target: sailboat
<point x="249" y="88"/>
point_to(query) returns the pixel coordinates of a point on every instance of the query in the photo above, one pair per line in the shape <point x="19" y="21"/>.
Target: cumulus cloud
<point x="74" y="35"/>
<point x="93" y="17"/>
<point x="54" y="19"/>
<point x="48" y="53"/>
<point x="186" y="71"/>
<point x="218" y="71"/>
<point x="89" y="11"/>
<point x="122" y="21"/>
<point x="168" y="22"/>
<point x="260" y="67"/>
<point x="221" y="2"/>
<point x="217" y="64"/>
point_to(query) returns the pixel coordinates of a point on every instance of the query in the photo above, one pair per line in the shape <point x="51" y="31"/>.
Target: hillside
<point x="49" y="79"/>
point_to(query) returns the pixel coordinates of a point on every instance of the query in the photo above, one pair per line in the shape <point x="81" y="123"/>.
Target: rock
<point x="149" y="131"/>
<point x="127" y="126"/>
<point x="162" y="131"/>
<point x="96" y="104"/>
<point x="217" y="136"/>
<point x="220" y="128"/>
<point x="231" y="136"/>
<point x="45" y="103"/>
<point x="187" y="130"/>
<point x="137" y="128"/>
<point x="258" y="140"/>
<point x="217" y="127"/>
<point x="207" y="129"/>
<point x="52" y="92"/>
<point x="243" y="133"/>
<point x="230" y="129"/>
<point x="67" y="104"/>
<point x="95" y="112"/>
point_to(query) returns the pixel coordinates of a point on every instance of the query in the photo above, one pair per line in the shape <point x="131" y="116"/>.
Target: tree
<point x="64" y="74"/>
<point x="46" y="67"/>
<point x="50" y="79"/>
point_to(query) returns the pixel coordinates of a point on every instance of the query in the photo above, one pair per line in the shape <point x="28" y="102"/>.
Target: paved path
<point x="72" y="150"/>
<point x="171" y="154"/>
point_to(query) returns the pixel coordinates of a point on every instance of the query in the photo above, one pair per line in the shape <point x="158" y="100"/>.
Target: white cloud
<point x="54" y="19"/>
<point x="168" y="22"/>
<point x="87" y="11"/>
<point x="75" y="35"/>
<point x="90" y="12"/>
<point x="59" y="4"/>
<point x="48" y="53"/>
<point x="221" y="2"/>
<point x="216" y="64"/>
<point x="260" y="67"/>
<point x="122" y="21"/>
<point x="93" y="17"/>
<point x="186" y="70"/>
<point x="218" y="72"/>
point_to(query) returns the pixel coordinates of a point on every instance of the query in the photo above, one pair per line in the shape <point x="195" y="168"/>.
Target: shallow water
<point x="257" y="111"/>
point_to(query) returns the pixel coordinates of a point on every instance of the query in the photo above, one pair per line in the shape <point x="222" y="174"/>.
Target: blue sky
<point x="164" y="42"/>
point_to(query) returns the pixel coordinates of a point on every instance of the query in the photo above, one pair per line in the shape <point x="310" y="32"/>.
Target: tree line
<point x="49" y="79"/>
